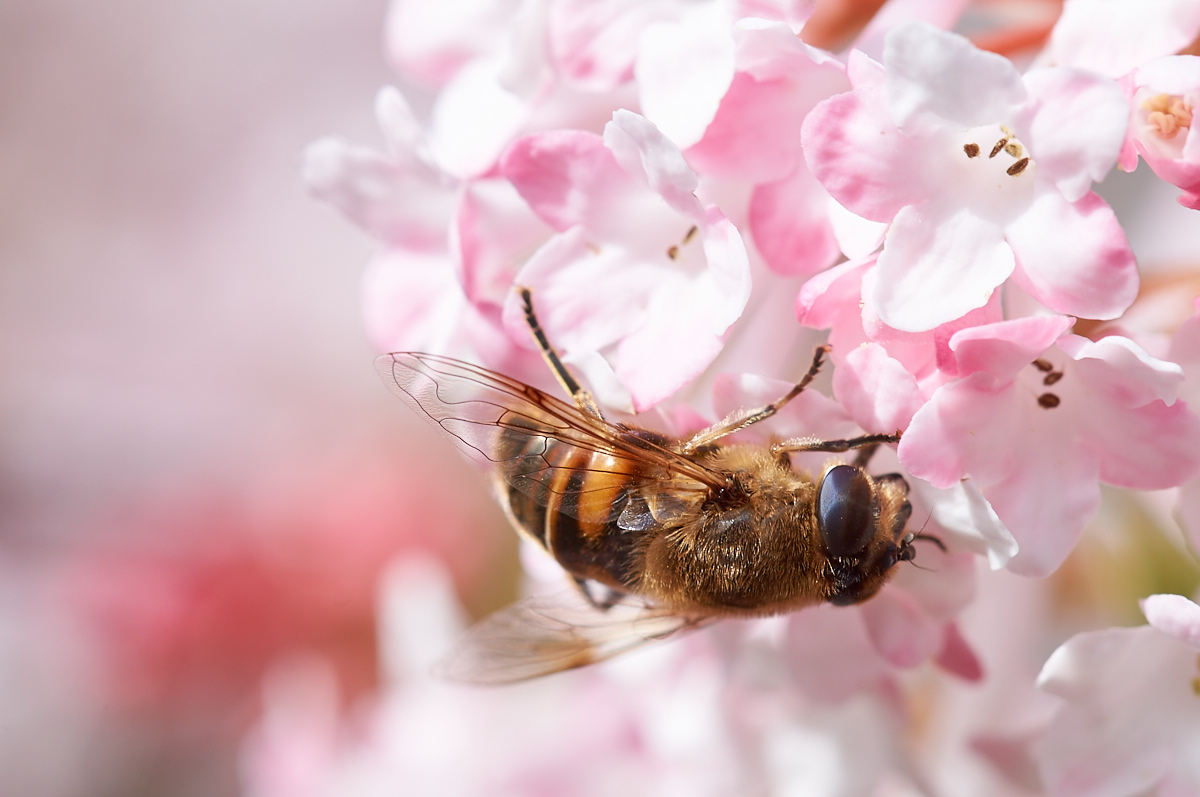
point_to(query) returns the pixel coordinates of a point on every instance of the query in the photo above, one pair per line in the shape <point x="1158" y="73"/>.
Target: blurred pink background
<point x="200" y="471"/>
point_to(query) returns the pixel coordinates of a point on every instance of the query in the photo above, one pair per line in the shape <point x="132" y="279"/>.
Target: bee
<point x="660" y="535"/>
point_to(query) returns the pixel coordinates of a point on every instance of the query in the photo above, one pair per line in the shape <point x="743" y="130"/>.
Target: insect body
<point x="673" y="533"/>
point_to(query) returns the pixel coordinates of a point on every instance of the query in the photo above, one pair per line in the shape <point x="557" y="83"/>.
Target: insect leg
<point x="743" y="418"/>
<point x="583" y="399"/>
<point x="610" y="598"/>
<point x="813" y="444"/>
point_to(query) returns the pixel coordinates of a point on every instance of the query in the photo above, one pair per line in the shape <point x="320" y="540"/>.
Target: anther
<point x="972" y="150"/>
<point x="1018" y="167"/>
<point x="1043" y="365"/>
<point x="1049" y="401"/>
<point x="999" y="146"/>
<point x="673" y="252"/>
<point x="1052" y="378"/>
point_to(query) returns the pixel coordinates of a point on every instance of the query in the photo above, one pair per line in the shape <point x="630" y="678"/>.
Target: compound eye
<point x="845" y="511"/>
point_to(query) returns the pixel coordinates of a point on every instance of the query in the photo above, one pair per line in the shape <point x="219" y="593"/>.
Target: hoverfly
<point x="660" y="535"/>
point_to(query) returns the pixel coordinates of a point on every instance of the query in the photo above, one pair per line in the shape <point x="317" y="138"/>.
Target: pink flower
<point x="1111" y="37"/>
<point x="1130" y="723"/>
<point x="1163" y="95"/>
<point x="983" y="175"/>
<point x="641" y="282"/>
<point x="451" y="247"/>
<point x="1039" y="418"/>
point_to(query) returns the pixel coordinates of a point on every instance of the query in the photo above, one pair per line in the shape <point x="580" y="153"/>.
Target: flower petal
<point x="937" y="265"/>
<point x="879" y="394"/>
<point x="1175" y="616"/>
<point x="568" y="177"/>
<point x="683" y="70"/>
<point x="934" y="77"/>
<point x="1076" y="126"/>
<point x="858" y="155"/>
<point x="1074" y="257"/>
<point x="790" y="227"/>
<point x="644" y="152"/>
<point x="1004" y="348"/>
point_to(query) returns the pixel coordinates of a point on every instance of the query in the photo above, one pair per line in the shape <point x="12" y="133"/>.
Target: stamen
<point x="1017" y="167"/>
<point x="972" y="150"/>
<point x="1052" y="378"/>
<point x="673" y="252"/>
<point x="691" y="233"/>
<point x="1049" y="401"/>
<point x="1001" y="144"/>
<point x="1014" y="148"/>
<point x="1168" y="114"/>
<point x="1043" y="365"/>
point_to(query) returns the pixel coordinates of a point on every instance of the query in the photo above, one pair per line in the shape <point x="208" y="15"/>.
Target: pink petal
<point x="1149" y="448"/>
<point x="583" y="293"/>
<point x="1073" y="257"/>
<point x="644" y="152"/>
<point x="430" y="41"/>
<point x="957" y="657"/>
<point x="683" y="71"/>
<point x="1174" y="615"/>
<point x="962" y="510"/>
<point x="1121" y="37"/>
<point x="755" y="135"/>
<point x="593" y="45"/>
<point x="1121" y="372"/>
<point x="1046" y="501"/>
<point x="937" y="265"/>
<point x="878" y="392"/>
<point x="457" y="141"/>
<point x="1076" y="126"/>
<point x="494" y="231"/>
<point x="827" y="295"/>
<point x="400" y="201"/>
<point x="964" y="429"/>
<point x="899" y="630"/>
<point x="1004" y="348"/>
<point x="858" y="155"/>
<point x="934" y="77"/>
<point x="790" y="226"/>
<point x="1113" y="736"/>
<point x="568" y="177"/>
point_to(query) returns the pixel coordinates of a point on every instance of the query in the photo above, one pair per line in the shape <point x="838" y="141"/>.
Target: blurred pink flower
<point x="1130" y="723"/>
<point x="229" y="586"/>
<point x="1111" y="38"/>
<point x="451" y="247"/>
<point x="1163" y="95"/>
<point x="916" y="144"/>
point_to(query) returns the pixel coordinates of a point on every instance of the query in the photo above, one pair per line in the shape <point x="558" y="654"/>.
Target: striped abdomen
<point x="568" y="499"/>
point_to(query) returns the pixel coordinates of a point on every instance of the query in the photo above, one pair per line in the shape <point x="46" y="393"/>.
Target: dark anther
<point x="1052" y="378"/>
<point x="1049" y="400"/>
<point x="1043" y="365"/>
<point x="1018" y="167"/>
<point x="999" y="146"/>
<point x="972" y="150"/>
<point x="691" y="233"/>
<point x="673" y="252"/>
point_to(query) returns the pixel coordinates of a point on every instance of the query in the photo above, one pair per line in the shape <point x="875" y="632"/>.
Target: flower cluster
<point x="694" y="191"/>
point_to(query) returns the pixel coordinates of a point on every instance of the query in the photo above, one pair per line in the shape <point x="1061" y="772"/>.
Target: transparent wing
<point x="511" y="428"/>
<point x="551" y="633"/>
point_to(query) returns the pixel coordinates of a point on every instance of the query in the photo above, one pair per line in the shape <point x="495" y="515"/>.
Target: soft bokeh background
<point x="200" y="475"/>
<point x="199" y="470"/>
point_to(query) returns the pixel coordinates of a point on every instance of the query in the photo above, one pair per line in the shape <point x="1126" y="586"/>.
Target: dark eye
<point x="845" y="511"/>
